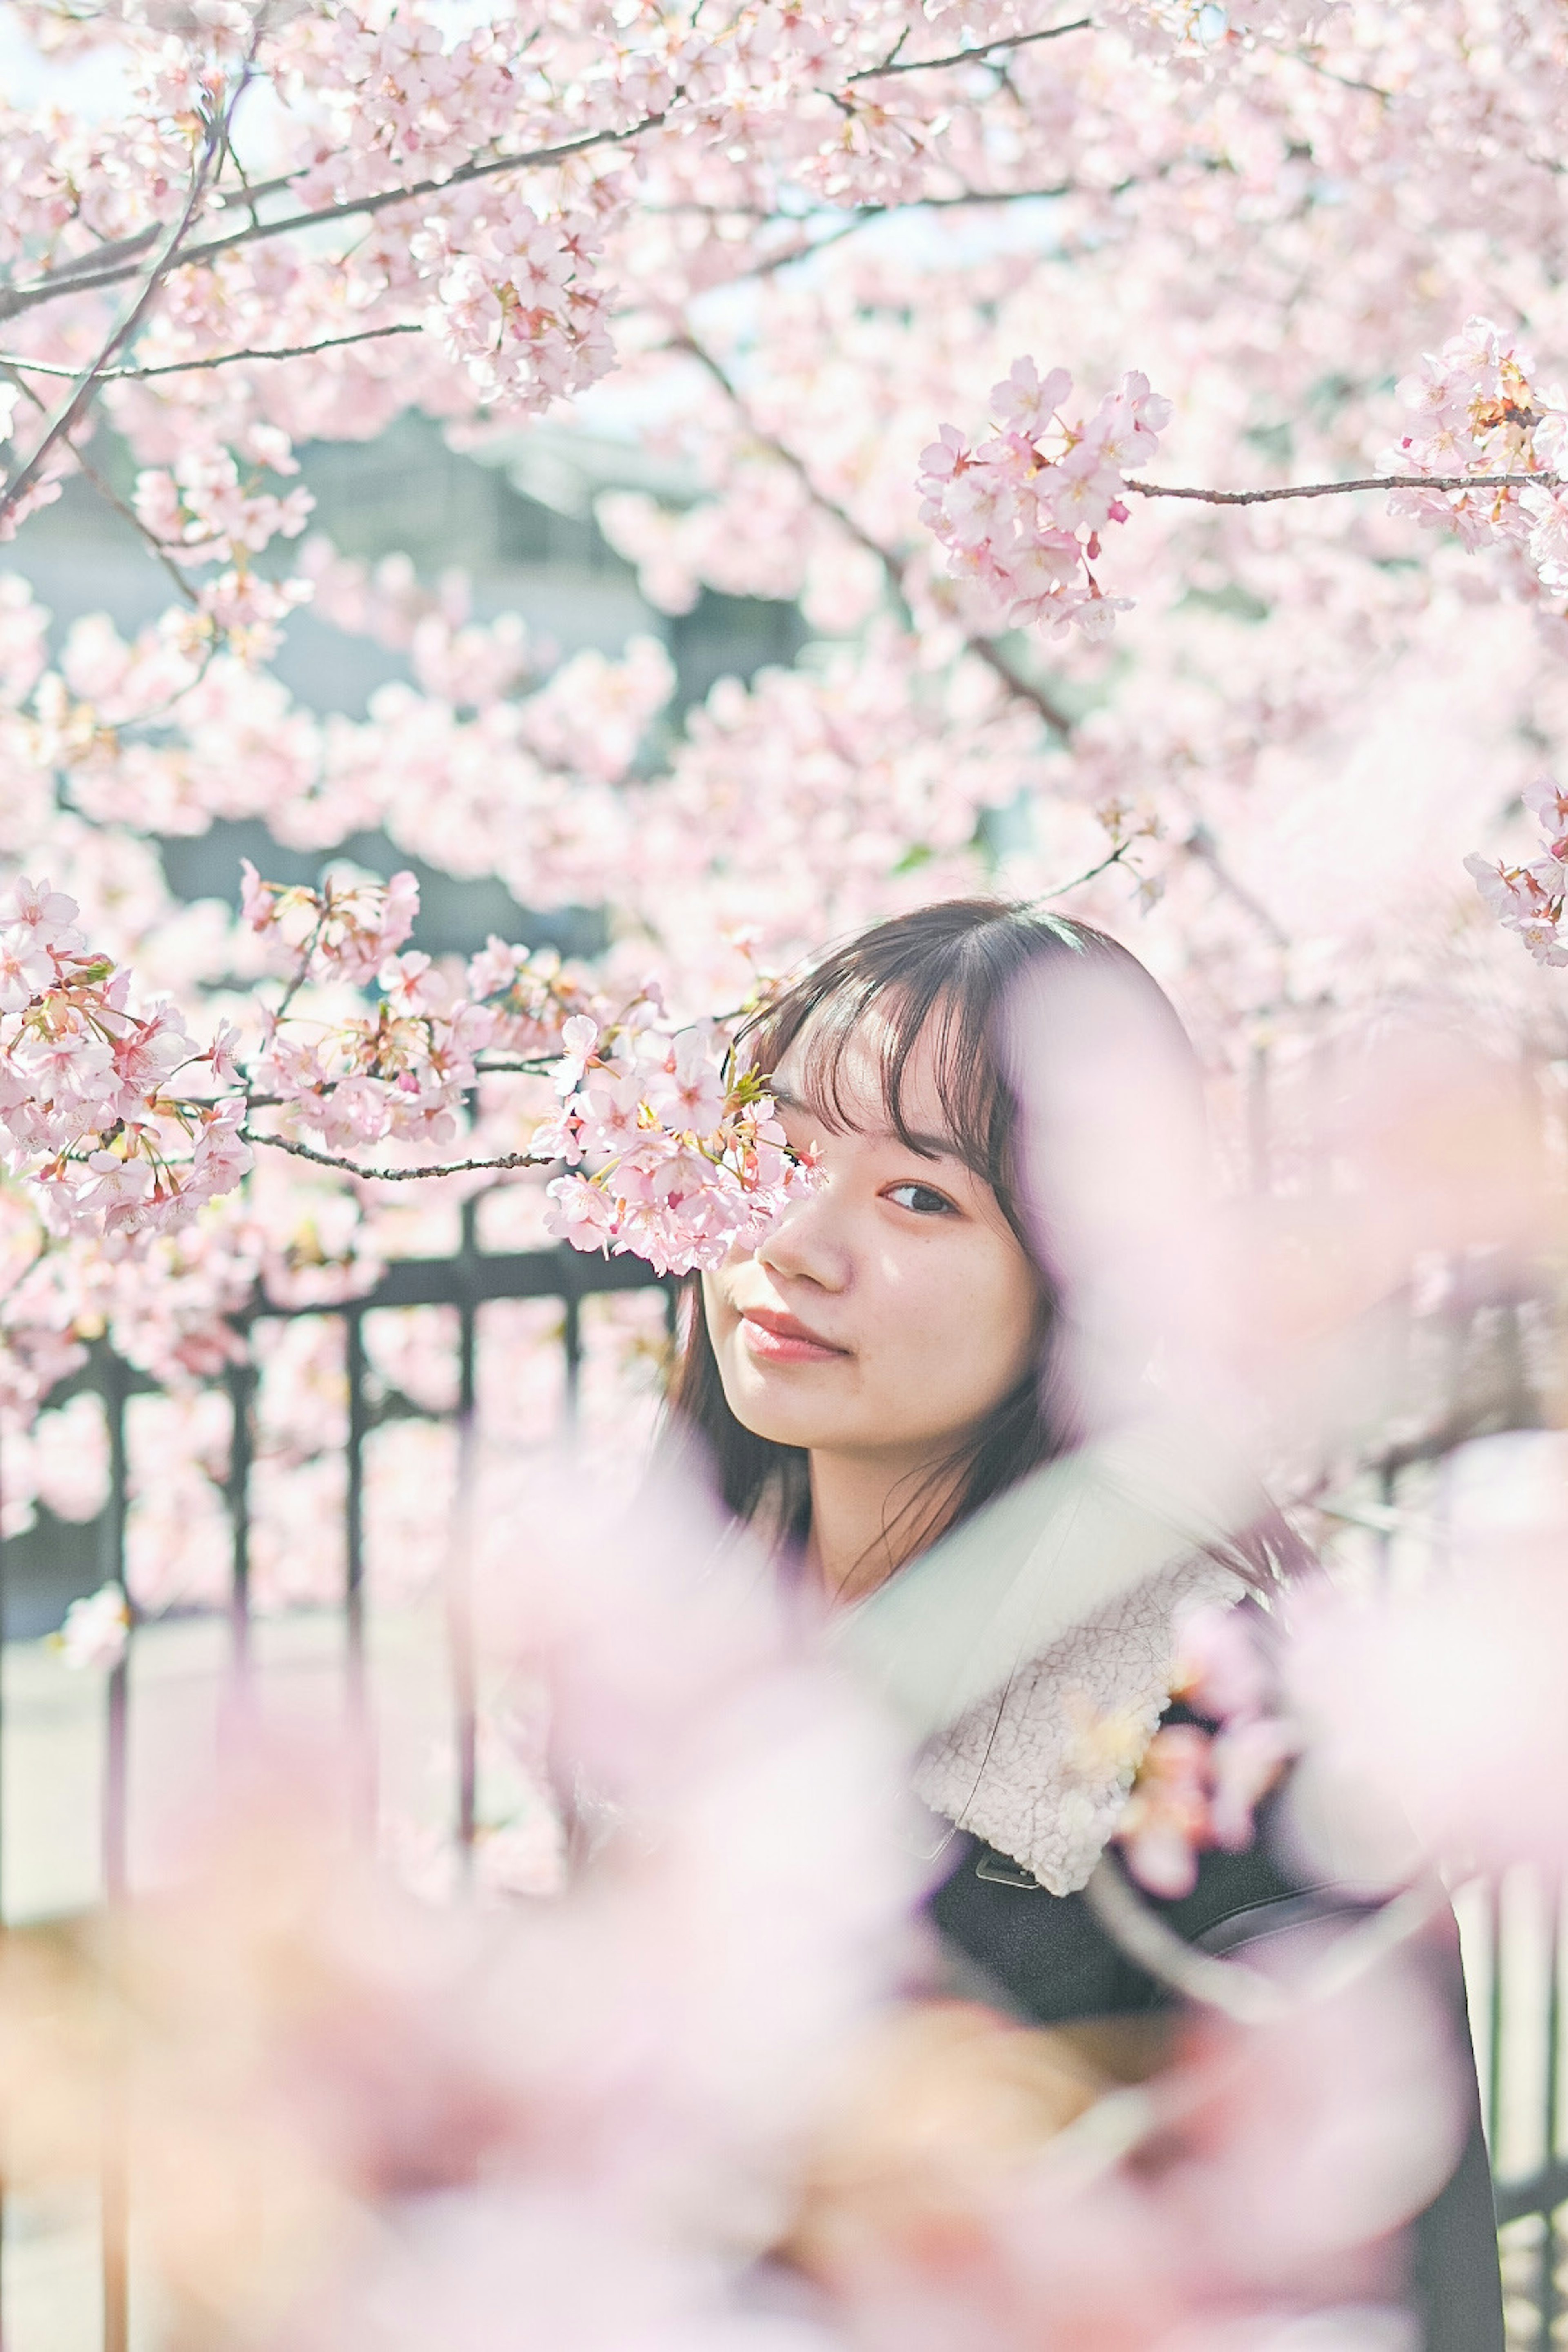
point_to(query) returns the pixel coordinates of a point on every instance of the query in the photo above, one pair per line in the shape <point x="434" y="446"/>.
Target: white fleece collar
<point x="1042" y="1768"/>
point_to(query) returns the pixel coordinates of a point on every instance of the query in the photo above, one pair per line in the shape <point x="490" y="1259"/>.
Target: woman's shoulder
<point x="1041" y="1769"/>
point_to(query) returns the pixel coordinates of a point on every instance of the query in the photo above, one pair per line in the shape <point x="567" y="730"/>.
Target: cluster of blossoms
<point x="201" y="512"/>
<point x="1200" y="1782"/>
<point x="85" y="1083"/>
<point x="1480" y="409"/>
<point x="686" y="1156"/>
<point x="1021" y="513"/>
<point x="516" y="305"/>
<point x="399" y="1070"/>
<point x="1528" y="898"/>
<point x="683" y="1157"/>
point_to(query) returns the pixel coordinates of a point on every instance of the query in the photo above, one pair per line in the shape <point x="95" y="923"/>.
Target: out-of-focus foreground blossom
<point x="1253" y="2186"/>
<point x="351" y="2117"/>
<point x="1434" y="1718"/>
<point x="614" y="2117"/>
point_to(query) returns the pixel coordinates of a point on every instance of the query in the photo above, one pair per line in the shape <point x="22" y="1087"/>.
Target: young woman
<point x="886" y="1363"/>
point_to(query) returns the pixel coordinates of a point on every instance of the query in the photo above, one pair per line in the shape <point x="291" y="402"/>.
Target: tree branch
<point x="973" y="57"/>
<point x="1340" y="489"/>
<point x="46" y="290"/>
<point x="85" y="273"/>
<point x="67" y="417"/>
<point x="996" y="661"/>
<point x="393" y="1175"/>
<point x="112" y="496"/>
<point x="220" y="359"/>
<point x="1200" y="844"/>
<point x="1115" y="858"/>
<point x="989" y="652"/>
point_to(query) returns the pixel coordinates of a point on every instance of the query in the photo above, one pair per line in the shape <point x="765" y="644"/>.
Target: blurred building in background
<point x="517" y="517"/>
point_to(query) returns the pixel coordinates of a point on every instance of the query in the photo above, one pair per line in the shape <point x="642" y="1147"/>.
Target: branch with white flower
<point x="671" y="1150"/>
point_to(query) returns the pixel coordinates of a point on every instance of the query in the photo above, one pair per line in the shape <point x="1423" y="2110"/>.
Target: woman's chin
<point x="771" y="1405"/>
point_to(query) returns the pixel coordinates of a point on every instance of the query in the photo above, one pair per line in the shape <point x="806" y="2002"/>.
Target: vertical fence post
<point x="1260" y="1141"/>
<point x="356" y="1690"/>
<point x="572" y="1347"/>
<point x="241" y="1378"/>
<point x="1546" y="2333"/>
<point x="3" y="1566"/>
<point x="461" y="1558"/>
<point x="115" y="2191"/>
<point x="353" y="1577"/>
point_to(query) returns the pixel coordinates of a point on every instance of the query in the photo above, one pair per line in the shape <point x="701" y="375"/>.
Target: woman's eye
<point x="924" y="1199"/>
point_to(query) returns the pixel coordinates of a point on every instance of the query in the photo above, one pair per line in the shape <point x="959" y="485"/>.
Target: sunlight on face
<point x="890" y="1310"/>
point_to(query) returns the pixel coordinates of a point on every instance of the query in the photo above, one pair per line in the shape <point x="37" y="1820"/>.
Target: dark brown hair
<point x="947" y="971"/>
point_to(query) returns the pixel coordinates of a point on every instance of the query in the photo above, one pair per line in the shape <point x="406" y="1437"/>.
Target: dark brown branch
<point x="219" y="359"/>
<point x="112" y="496"/>
<point x="26" y="298"/>
<point x="989" y="652"/>
<point x="974" y="57"/>
<point x="1115" y="858"/>
<point x="996" y="661"/>
<point x="1343" y="81"/>
<point x="395" y="1175"/>
<point x="65" y="418"/>
<point x="875" y="212"/>
<point x="214" y="144"/>
<point x="85" y="273"/>
<point x="1200" y="844"/>
<point x="1340" y="490"/>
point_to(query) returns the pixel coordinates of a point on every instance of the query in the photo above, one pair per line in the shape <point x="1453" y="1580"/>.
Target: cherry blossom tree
<point x="1151" y="408"/>
<point x="1254" y="716"/>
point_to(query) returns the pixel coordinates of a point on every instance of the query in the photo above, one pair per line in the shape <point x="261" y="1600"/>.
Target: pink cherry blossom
<point x="95" y="1630"/>
<point x="1021" y="513"/>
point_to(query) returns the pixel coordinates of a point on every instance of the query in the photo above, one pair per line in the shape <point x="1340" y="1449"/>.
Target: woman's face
<point x="890" y="1309"/>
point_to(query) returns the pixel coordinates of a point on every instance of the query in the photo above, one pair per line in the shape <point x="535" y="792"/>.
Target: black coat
<point x="1047" y="1957"/>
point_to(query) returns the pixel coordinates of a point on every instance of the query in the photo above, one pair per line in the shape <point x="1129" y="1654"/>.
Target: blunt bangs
<point x="943" y="976"/>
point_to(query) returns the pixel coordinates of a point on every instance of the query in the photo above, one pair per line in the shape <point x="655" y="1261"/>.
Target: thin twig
<point x="86" y="273"/>
<point x="686" y="341"/>
<point x="396" y="1175"/>
<point x="1344" y="81"/>
<point x="901" y="204"/>
<point x="65" y="418"/>
<point x="1079" y="880"/>
<point x="1200" y="844"/>
<point x="25" y="297"/>
<point x="996" y="661"/>
<point x="986" y="648"/>
<point x="974" y="57"/>
<point x="1340" y="490"/>
<point x="220" y="359"/>
<point x="112" y="496"/>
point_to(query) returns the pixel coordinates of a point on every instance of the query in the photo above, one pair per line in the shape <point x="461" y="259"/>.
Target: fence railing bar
<point x="1537" y="2193"/>
<point x="115" y="2186"/>
<point x="353" y="1506"/>
<point x="3" y="1565"/>
<point x="571" y="1349"/>
<point x="1494" y="2015"/>
<point x="241" y="1385"/>
<point x="460" y="1582"/>
<point x="1546" y="2330"/>
<point x="563" y="1273"/>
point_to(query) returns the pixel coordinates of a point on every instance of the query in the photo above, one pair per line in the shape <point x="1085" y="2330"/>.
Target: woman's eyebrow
<point x="926" y="1146"/>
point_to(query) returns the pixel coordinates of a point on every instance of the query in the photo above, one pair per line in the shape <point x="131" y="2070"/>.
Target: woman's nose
<point x="808" y="1243"/>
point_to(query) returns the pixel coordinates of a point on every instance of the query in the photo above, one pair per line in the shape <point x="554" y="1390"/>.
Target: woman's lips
<point x="780" y="1340"/>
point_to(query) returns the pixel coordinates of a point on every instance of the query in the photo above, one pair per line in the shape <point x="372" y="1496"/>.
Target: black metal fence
<point x="1513" y="1934"/>
<point x="468" y="1281"/>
